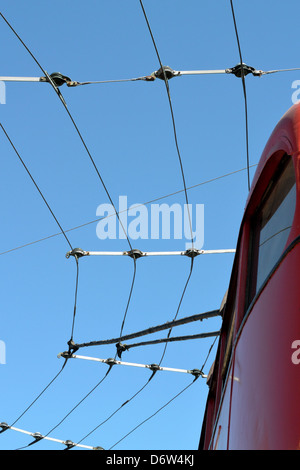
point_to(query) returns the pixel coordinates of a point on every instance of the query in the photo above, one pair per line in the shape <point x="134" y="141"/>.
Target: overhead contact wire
<point x="36" y="185"/>
<point x="170" y="401"/>
<point x="244" y="91"/>
<point x="172" y="116"/>
<point x="86" y="148"/>
<point x="72" y="120"/>
<point x="179" y="158"/>
<point x="70" y="245"/>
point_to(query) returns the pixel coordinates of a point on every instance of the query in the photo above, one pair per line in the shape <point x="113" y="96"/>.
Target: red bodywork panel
<point x="257" y="406"/>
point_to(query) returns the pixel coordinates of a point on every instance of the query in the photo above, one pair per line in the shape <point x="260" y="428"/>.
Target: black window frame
<point x="255" y="231"/>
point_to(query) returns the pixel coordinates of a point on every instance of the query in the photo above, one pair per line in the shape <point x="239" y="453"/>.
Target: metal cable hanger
<point x="38" y="437"/>
<point x="60" y="79"/>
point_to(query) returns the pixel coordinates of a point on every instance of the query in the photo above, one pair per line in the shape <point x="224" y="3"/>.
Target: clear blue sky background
<point x="128" y="129"/>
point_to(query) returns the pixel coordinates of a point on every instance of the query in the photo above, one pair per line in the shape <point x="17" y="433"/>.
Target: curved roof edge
<point x="285" y="137"/>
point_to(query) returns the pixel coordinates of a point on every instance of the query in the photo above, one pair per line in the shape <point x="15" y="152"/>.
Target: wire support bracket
<point x="165" y="72"/>
<point x="152" y="367"/>
<point x="135" y="253"/>
<point x="38" y="437"/>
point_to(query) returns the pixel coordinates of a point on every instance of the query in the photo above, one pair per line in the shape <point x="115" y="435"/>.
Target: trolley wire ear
<point x="135" y="254"/>
<point x="69" y="445"/>
<point x="4" y="427"/>
<point x="242" y="69"/>
<point x="58" y="79"/>
<point x="37" y="437"/>
<point x="76" y="252"/>
<point x="166" y="72"/>
<point x="121" y="348"/>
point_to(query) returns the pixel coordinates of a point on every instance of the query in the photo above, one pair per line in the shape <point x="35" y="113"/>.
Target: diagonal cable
<point x="36" y="185"/>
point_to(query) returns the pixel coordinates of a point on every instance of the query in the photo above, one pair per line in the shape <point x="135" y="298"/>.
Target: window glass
<point x="273" y="223"/>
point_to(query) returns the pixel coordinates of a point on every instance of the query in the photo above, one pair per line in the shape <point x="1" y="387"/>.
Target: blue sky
<point x="128" y="129"/>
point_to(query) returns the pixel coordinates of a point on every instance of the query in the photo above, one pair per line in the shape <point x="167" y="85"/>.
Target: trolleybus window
<point x="272" y="225"/>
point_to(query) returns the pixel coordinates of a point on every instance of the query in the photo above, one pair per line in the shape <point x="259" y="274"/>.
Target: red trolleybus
<point x="254" y="384"/>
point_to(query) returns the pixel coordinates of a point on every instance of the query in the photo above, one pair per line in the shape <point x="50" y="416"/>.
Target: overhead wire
<point x="70" y="342"/>
<point x="93" y="164"/>
<point x="36" y="185"/>
<point x="80" y="402"/>
<point x="186" y="196"/>
<point x="154" y="414"/>
<point x="72" y="120"/>
<point x="124" y="211"/>
<point x="172" y="116"/>
<point x="170" y="401"/>
<point x="39" y="395"/>
<point x="181" y="166"/>
<point x="199" y="374"/>
<point x="180" y="162"/>
<point x="70" y="245"/>
<point x="185" y="190"/>
<point x="74" y="348"/>
<point x="244" y="91"/>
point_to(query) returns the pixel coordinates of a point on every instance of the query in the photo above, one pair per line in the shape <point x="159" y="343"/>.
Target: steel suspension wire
<point x="75" y="348"/>
<point x="79" y="403"/>
<point x="178" y="308"/>
<point x="154" y="414"/>
<point x="72" y="120"/>
<point x="40" y="394"/>
<point x="100" y="177"/>
<point x="117" y="410"/>
<point x="172" y="117"/>
<point x="35" y="184"/>
<point x="179" y="158"/>
<point x="153" y="373"/>
<point x="50" y="210"/>
<point x="70" y="245"/>
<point x="244" y="91"/>
<point x="170" y="401"/>
<point x="88" y="153"/>
<point x="130" y="295"/>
